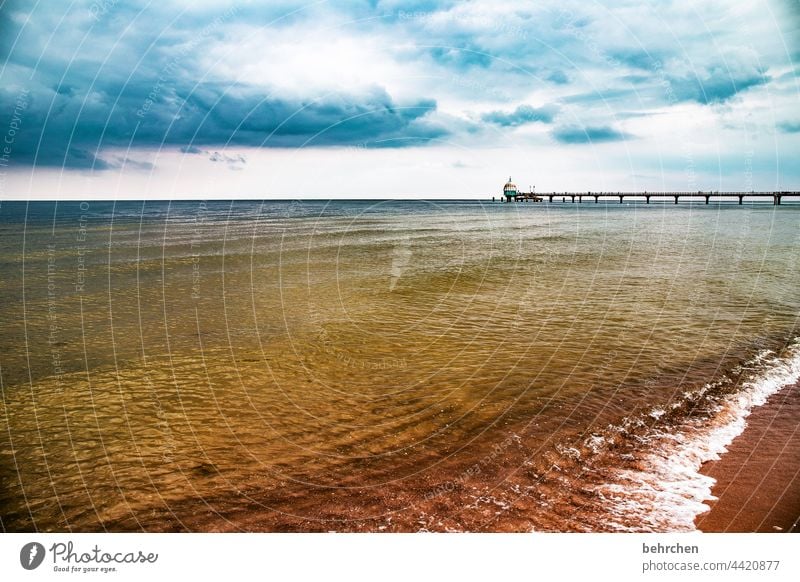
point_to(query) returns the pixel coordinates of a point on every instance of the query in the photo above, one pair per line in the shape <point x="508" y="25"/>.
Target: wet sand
<point x="758" y="479"/>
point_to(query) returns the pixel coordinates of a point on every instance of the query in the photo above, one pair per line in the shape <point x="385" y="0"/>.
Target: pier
<point x="516" y="196"/>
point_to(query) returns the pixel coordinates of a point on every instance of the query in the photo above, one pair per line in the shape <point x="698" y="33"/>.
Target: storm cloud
<point x="522" y="115"/>
<point x="103" y="80"/>
<point x="588" y="135"/>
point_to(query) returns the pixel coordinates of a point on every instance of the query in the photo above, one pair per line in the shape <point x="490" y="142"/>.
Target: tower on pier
<point x="510" y="190"/>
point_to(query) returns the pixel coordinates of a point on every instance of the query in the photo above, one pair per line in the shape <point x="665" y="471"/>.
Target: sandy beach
<point x="758" y="479"/>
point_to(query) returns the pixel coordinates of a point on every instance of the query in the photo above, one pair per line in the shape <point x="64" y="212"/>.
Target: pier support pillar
<point x="648" y="199"/>
<point x="580" y="199"/>
<point x="707" y="197"/>
<point x="573" y="199"/>
<point x="620" y="199"/>
<point x="676" y="199"/>
<point x="551" y="197"/>
<point x="595" y="199"/>
<point x="740" y="200"/>
<point x="776" y="200"/>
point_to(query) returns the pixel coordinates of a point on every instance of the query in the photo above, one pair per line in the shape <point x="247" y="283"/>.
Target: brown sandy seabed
<point x="757" y="490"/>
<point x="757" y="486"/>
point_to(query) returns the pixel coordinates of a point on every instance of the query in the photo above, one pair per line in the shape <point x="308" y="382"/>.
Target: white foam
<point x="670" y="492"/>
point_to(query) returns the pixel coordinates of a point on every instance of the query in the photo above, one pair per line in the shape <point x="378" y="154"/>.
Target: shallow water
<point x="380" y="366"/>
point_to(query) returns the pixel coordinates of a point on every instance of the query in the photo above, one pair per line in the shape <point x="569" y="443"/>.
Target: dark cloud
<point x="234" y="162"/>
<point x="72" y="128"/>
<point x="602" y="96"/>
<point x="583" y="135"/>
<point x="636" y="79"/>
<point x="8" y="28"/>
<point x="461" y="58"/>
<point x="636" y="114"/>
<point x="120" y="161"/>
<point x="105" y="76"/>
<point x="715" y="86"/>
<point x="236" y="159"/>
<point x="522" y="115"/>
<point x="138" y="88"/>
<point x="639" y="59"/>
<point x="558" y="77"/>
<point x="72" y="157"/>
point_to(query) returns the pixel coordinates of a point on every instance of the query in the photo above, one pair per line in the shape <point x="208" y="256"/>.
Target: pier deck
<point x="776" y="197"/>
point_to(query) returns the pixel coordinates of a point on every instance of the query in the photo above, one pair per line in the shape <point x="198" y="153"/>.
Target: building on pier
<point x="510" y="190"/>
<point x="512" y="193"/>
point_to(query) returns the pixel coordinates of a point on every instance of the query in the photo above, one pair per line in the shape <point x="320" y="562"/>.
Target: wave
<point x="659" y="487"/>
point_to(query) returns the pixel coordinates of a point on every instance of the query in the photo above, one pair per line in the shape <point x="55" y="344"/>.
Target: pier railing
<point x="776" y="197"/>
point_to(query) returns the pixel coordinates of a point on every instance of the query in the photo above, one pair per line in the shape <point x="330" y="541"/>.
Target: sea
<point x="384" y="365"/>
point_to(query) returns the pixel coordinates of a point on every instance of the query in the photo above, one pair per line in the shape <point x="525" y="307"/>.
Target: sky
<point x="137" y="99"/>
